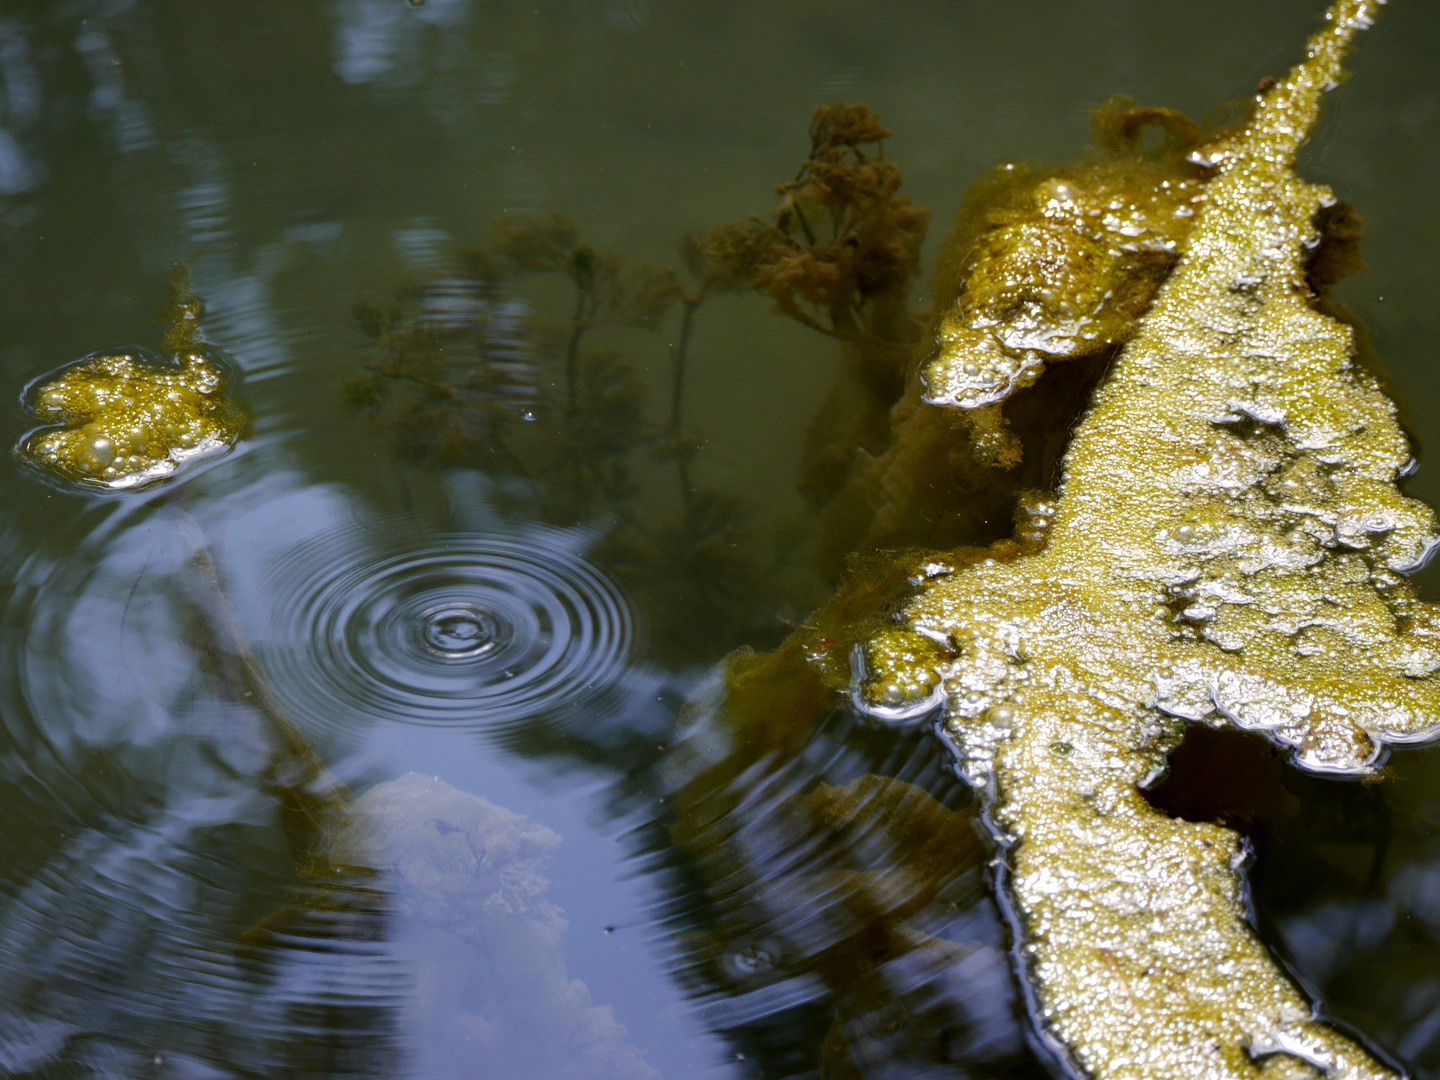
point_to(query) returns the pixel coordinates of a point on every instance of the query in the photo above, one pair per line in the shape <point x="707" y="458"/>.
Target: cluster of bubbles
<point x="124" y="421"/>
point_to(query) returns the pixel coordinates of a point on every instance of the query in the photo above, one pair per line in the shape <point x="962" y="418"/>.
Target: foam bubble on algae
<point x="1228" y="546"/>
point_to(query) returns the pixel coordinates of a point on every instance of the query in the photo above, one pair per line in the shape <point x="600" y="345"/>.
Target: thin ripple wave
<point x="467" y="629"/>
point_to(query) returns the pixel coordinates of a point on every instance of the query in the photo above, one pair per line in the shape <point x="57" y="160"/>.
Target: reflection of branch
<point x="311" y="800"/>
<point x="301" y="783"/>
<point x="691" y="302"/>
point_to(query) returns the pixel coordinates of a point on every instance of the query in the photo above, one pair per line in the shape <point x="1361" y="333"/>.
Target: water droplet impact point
<point x="460" y="632"/>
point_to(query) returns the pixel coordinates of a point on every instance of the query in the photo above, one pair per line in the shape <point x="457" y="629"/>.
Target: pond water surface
<point x="531" y="624"/>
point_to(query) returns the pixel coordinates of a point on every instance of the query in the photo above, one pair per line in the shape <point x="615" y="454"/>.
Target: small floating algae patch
<point x="1228" y="546"/>
<point x="124" y="420"/>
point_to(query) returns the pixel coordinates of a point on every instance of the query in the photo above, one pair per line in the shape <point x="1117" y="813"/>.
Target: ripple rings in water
<point x="466" y="629"/>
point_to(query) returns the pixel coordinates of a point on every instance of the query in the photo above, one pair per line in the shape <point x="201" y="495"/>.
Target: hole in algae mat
<point x="1344" y="879"/>
<point x="1327" y="835"/>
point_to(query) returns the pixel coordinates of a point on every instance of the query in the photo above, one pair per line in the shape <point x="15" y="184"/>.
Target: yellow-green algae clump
<point x="125" y="421"/>
<point x="1062" y="265"/>
<point x="1228" y="546"/>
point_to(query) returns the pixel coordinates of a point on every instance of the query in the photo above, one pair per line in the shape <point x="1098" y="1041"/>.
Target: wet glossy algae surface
<point x="123" y="421"/>
<point x="1226" y="546"/>
<point x="129" y="421"/>
<point x="460" y="674"/>
<point x="1063" y="266"/>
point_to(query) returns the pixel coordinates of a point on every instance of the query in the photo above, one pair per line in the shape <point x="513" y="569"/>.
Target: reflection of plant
<point x="607" y="293"/>
<point x="851" y="890"/>
<point x="839" y="256"/>
<point x="605" y="428"/>
<point x="699" y="575"/>
<point x="850" y="886"/>
<point x="713" y="269"/>
<point x="602" y="419"/>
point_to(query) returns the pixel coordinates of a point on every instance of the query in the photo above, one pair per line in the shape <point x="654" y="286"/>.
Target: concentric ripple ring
<point x="463" y="629"/>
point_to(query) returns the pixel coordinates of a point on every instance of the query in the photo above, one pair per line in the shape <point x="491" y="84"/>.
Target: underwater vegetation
<point x="1045" y="272"/>
<point x="122" y="421"/>
<point x="839" y="257"/>
<point x="463" y="370"/>
<point x="1042" y="265"/>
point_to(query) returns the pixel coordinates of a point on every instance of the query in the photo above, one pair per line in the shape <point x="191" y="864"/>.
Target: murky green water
<point x="457" y="592"/>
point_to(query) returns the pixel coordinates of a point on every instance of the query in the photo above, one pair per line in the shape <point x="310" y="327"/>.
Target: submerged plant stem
<point x="677" y="361"/>
<point x="579" y="324"/>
